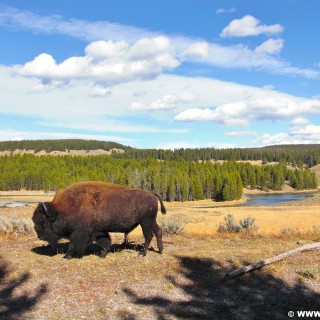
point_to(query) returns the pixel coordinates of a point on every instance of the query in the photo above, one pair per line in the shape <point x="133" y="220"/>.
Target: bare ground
<point x="186" y="282"/>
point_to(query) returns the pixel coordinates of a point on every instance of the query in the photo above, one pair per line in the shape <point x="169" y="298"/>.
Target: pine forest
<point x="178" y="179"/>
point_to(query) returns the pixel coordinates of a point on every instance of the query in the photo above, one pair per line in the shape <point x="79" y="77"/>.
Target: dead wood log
<point x="240" y="271"/>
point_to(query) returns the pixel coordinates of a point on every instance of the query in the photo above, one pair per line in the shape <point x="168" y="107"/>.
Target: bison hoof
<point x="142" y="253"/>
<point x="102" y="254"/>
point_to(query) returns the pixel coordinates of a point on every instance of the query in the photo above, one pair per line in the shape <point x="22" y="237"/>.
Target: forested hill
<point x="60" y="145"/>
<point x="179" y="176"/>
<point x="297" y="155"/>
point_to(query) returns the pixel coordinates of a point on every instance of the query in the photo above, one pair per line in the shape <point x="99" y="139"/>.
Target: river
<point x="253" y="200"/>
<point x="275" y="198"/>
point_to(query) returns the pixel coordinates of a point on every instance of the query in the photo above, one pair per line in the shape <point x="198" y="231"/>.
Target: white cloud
<point x="196" y="114"/>
<point x="177" y="145"/>
<point x="171" y="101"/>
<point x="166" y="102"/>
<point x="197" y="50"/>
<point x="271" y="46"/>
<point x="299" y="121"/>
<point x="100" y="91"/>
<point x="241" y="134"/>
<point x="137" y="105"/>
<point x="105" y="62"/>
<point x="304" y="130"/>
<point x="301" y="131"/>
<point x="12" y="135"/>
<point x="95" y="125"/>
<point x="76" y="109"/>
<point x="222" y="10"/>
<point x="268" y="87"/>
<point x="183" y="48"/>
<point x="81" y="29"/>
<point x="193" y="144"/>
<point x="249" y="26"/>
<point x="241" y="113"/>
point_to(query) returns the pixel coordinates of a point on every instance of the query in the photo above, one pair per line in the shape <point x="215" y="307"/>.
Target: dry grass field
<point x="188" y="281"/>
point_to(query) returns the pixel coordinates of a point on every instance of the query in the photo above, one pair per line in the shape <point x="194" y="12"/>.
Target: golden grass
<point x="203" y="217"/>
<point x="271" y="220"/>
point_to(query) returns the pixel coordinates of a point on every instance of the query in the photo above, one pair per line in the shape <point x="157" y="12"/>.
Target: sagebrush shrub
<point x="16" y="225"/>
<point x="171" y="226"/>
<point x="247" y="225"/>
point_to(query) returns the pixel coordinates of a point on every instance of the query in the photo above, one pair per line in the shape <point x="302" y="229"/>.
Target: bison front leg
<point x="104" y="242"/>
<point x="78" y="244"/>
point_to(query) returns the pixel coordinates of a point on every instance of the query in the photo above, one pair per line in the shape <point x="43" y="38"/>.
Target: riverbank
<point x="17" y="194"/>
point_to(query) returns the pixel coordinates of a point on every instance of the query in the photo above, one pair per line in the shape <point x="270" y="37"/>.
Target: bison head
<point x="43" y="217"/>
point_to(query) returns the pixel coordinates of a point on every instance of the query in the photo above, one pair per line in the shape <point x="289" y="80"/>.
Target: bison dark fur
<point x="86" y="212"/>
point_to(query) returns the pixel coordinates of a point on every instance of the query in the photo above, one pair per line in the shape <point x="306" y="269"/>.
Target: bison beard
<point x="86" y="213"/>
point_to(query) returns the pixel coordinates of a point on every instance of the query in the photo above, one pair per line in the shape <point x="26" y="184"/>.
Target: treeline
<point x="173" y="180"/>
<point x="295" y="155"/>
<point x="60" y="145"/>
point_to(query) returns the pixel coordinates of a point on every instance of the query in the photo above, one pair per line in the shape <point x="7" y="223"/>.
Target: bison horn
<point x="45" y="209"/>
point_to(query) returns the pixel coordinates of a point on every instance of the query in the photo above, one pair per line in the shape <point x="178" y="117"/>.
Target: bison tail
<point x="163" y="209"/>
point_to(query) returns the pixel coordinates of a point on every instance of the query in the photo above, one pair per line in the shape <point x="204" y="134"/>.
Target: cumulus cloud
<point x="305" y="130"/>
<point x="249" y="26"/>
<point x="185" y="48"/>
<point x="241" y="113"/>
<point x="105" y="62"/>
<point x="301" y="131"/>
<point x="197" y="114"/>
<point x="271" y="46"/>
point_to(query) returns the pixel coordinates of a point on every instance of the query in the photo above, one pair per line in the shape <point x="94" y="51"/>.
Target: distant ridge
<point x="299" y="155"/>
<point x="61" y="145"/>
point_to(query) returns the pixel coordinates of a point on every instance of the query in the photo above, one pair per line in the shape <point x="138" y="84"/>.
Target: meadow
<point x="188" y="281"/>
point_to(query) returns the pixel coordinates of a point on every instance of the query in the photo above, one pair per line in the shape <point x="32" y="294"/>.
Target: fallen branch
<point x="240" y="271"/>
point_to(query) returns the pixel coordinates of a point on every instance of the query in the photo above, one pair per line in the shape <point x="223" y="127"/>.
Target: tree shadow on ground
<point x="62" y="248"/>
<point x="210" y="295"/>
<point x="12" y="304"/>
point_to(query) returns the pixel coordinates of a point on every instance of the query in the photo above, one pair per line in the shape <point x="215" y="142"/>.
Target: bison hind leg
<point x="104" y="242"/>
<point x="158" y="233"/>
<point x="148" y="234"/>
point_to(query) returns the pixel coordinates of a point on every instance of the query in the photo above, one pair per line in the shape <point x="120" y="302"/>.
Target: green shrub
<point x="247" y="225"/>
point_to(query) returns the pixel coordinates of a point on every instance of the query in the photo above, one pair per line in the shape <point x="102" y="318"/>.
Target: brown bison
<point x="86" y="212"/>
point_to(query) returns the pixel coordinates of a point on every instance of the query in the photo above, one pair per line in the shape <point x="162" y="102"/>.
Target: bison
<point x="86" y="212"/>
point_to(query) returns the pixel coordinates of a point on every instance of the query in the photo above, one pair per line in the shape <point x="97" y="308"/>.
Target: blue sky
<point x="160" y="73"/>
